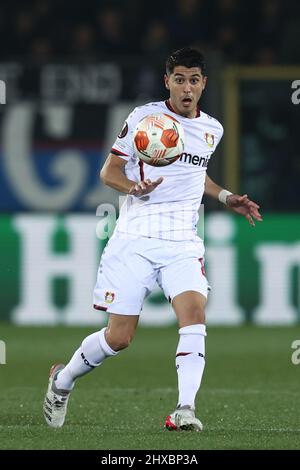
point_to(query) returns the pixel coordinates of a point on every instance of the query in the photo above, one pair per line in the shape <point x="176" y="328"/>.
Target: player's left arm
<point x="239" y="204"/>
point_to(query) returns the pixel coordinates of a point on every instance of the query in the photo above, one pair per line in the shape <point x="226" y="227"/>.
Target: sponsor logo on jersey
<point x="210" y="139"/>
<point x="194" y="159"/>
<point x="109" y="297"/>
<point x="124" y="131"/>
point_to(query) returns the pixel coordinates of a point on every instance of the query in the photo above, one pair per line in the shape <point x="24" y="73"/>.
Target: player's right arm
<point x="112" y="174"/>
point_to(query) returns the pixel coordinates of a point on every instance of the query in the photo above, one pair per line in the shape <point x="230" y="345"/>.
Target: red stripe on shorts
<point x="202" y="266"/>
<point x="98" y="307"/>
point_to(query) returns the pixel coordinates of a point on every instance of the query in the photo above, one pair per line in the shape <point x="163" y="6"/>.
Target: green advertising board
<point x="49" y="265"/>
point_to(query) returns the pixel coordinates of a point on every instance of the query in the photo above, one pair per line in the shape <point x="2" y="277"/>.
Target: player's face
<point x="186" y="86"/>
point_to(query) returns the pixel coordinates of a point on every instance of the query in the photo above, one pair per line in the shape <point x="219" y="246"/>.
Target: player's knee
<point x="118" y="342"/>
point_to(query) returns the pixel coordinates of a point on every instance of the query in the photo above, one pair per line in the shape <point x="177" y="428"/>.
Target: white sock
<point x="190" y="362"/>
<point x="92" y="352"/>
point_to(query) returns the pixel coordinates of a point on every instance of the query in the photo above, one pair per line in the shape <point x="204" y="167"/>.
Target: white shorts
<point x="129" y="269"/>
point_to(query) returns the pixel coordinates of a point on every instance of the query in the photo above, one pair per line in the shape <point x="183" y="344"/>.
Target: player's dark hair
<point x="187" y="57"/>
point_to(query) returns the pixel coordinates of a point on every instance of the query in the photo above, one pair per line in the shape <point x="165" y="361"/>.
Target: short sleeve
<point x="123" y="146"/>
<point x="220" y="133"/>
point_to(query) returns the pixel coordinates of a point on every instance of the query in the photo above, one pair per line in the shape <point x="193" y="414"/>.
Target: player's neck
<point x="190" y="115"/>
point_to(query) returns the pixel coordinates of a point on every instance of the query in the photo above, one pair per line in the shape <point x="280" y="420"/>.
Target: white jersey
<point x="170" y="212"/>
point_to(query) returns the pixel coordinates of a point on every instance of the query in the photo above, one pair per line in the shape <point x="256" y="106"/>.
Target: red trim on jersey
<point x="141" y="165"/>
<point x="183" y="354"/>
<point x="97" y="307"/>
<point x="117" y="152"/>
<point x="169" y="106"/>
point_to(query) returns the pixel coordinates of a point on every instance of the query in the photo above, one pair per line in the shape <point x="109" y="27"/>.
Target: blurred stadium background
<point x="71" y="76"/>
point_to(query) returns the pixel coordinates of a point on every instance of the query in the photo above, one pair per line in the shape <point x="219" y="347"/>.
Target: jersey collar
<point x="169" y="106"/>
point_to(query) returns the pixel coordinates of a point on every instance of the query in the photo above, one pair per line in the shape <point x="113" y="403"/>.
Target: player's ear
<point x="166" y="81"/>
<point x="204" y="81"/>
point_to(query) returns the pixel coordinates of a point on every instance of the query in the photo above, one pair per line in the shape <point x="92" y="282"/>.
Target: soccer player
<point x="167" y="250"/>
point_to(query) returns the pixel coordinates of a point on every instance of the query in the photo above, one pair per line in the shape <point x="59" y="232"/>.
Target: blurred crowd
<point x="252" y="31"/>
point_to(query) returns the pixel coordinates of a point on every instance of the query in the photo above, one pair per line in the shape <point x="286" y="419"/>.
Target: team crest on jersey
<point x="210" y="139"/>
<point x="124" y="131"/>
<point x="109" y="297"/>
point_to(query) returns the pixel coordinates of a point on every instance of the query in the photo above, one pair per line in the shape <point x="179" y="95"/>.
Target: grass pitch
<point x="249" y="397"/>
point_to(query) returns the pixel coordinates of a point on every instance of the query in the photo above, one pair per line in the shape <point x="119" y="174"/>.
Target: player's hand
<point x="145" y="187"/>
<point x="244" y="206"/>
